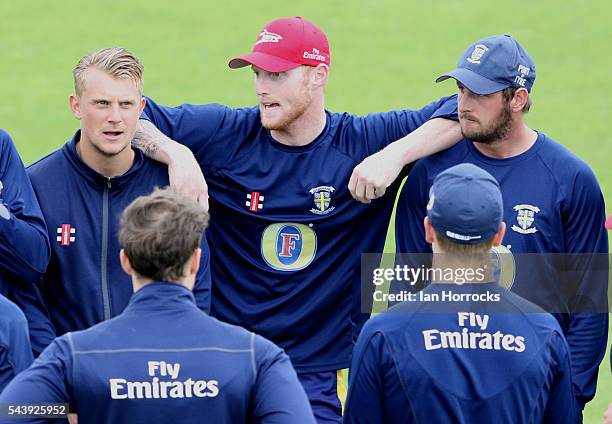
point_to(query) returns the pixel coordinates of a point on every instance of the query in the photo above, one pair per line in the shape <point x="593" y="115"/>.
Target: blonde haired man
<point x="84" y="187"/>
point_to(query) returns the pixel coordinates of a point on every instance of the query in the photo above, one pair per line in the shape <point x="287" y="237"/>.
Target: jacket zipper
<point x="104" y="252"/>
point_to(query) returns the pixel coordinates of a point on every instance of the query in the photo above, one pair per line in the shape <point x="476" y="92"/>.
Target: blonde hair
<point x="116" y="61"/>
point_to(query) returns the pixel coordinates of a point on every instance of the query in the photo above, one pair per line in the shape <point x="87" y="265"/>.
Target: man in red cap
<point x="286" y="235"/>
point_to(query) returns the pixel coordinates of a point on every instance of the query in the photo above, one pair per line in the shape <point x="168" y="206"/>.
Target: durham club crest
<point x="525" y="216"/>
<point x="477" y="53"/>
<point x="322" y="197"/>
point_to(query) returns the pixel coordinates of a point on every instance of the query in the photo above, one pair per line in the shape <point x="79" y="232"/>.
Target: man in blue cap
<point x="162" y="359"/>
<point x="552" y="201"/>
<point x="465" y="350"/>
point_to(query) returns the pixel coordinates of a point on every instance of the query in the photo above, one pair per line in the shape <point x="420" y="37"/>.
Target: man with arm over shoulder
<point x="282" y="176"/>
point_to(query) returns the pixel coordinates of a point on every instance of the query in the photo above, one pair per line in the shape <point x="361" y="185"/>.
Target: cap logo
<point x="268" y="37"/>
<point x="520" y="79"/>
<point x="315" y="55"/>
<point x="477" y="53"/>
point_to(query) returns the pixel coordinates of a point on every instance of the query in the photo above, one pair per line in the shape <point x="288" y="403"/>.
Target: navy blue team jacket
<point x="84" y="283"/>
<point x="552" y="204"/>
<point x="497" y="359"/>
<point x="24" y="246"/>
<point x="165" y="361"/>
<point x="15" y="350"/>
<point x="288" y="236"/>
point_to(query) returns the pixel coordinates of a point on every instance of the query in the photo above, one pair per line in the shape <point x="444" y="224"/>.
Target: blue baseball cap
<point x="492" y="64"/>
<point x="465" y="204"/>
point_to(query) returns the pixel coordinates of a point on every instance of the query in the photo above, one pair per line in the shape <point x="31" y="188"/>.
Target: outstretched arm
<point x="183" y="169"/>
<point x="375" y="173"/>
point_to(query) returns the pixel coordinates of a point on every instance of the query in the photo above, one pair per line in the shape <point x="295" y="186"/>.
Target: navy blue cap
<point x="492" y="64"/>
<point x="465" y="204"/>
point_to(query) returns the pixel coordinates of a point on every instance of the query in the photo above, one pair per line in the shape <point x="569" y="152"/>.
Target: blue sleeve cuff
<point x="448" y="109"/>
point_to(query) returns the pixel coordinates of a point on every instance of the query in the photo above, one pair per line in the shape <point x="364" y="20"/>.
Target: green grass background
<point x="385" y="55"/>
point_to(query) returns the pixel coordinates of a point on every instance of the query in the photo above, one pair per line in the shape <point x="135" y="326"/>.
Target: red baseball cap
<point x="609" y="223"/>
<point x="284" y="44"/>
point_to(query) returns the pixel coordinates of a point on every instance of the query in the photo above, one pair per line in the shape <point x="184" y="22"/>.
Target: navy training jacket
<point x="84" y="283"/>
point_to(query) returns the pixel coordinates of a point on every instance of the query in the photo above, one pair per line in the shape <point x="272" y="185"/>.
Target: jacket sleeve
<point x="24" y="244"/>
<point x="279" y="398"/>
<point x="381" y="129"/>
<point x="212" y="132"/>
<point x="29" y="300"/>
<point x="46" y="381"/>
<point x="560" y="407"/>
<point x="586" y="239"/>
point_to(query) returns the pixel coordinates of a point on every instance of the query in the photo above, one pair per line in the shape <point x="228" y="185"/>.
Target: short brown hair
<point x="508" y="94"/>
<point x="160" y="232"/>
<point x="116" y="61"/>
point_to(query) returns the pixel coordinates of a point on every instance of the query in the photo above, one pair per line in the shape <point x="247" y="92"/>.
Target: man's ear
<point x="320" y="75"/>
<point x="518" y="102"/>
<point x="429" y="231"/>
<point x="125" y="263"/>
<point x="499" y="235"/>
<point x="75" y="106"/>
<point x="195" y="261"/>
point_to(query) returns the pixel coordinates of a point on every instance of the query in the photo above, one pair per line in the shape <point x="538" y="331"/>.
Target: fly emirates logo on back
<point x="467" y="338"/>
<point x="174" y="388"/>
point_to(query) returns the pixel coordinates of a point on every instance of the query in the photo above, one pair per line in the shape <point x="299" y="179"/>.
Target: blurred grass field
<point x="385" y="55"/>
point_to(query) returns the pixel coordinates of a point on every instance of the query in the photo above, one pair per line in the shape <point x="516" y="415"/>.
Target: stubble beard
<point x="496" y="131"/>
<point x="297" y="108"/>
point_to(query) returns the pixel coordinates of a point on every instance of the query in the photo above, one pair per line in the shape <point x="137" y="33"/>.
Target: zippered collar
<point x="94" y="178"/>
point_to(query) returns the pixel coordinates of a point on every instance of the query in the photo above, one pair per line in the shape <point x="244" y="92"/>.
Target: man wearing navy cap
<point x="552" y="201"/>
<point x="465" y="350"/>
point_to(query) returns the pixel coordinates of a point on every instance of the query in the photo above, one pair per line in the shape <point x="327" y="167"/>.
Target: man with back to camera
<point x="162" y="359"/>
<point x="83" y="188"/>
<point x="553" y="203"/>
<point x="24" y="255"/>
<point x="284" y="225"/>
<point x="482" y="355"/>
